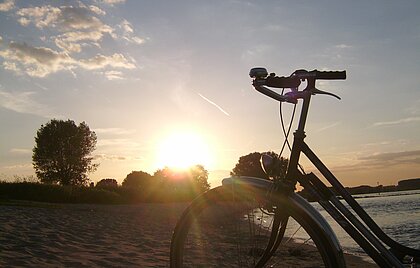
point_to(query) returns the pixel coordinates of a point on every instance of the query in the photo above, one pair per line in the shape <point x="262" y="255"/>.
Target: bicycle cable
<point x="287" y="133"/>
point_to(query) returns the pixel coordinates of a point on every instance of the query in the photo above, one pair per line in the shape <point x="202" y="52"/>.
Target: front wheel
<point x="231" y="227"/>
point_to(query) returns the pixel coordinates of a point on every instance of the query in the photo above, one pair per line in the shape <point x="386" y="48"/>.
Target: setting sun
<point x="182" y="150"/>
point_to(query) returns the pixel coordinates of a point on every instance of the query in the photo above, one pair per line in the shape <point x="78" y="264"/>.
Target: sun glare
<point x="183" y="150"/>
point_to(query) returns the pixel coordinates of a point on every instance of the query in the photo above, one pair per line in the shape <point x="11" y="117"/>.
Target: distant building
<point x="409" y="184"/>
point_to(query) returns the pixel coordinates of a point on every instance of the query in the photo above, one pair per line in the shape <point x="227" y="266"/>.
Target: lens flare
<point x="183" y="150"/>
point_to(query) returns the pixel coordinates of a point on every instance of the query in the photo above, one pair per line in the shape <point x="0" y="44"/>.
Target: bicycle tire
<point x="211" y="232"/>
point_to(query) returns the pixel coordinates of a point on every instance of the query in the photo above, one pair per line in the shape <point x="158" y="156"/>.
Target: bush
<point x="57" y="193"/>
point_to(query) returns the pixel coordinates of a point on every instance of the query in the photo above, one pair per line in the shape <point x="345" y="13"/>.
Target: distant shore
<point x="50" y="235"/>
<point x="39" y="192"/>
<point x="403" y="185"/>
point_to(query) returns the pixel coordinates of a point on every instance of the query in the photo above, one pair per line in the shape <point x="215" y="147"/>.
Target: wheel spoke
<point x="234" y="230"/>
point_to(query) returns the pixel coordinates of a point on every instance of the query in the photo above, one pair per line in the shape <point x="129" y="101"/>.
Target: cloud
<point x="120" y="143"/>
<point x="73" y="23"/>
<point x="19" y="167"/>
<point x="22" y="102"/>
<point x="113" y="131"/>
<point x="393" y="158"/>
<point x="44" y="16"/>
<point x="101" y="61"/>
<point x="343" y="46"/>
<point x="128" y="33"/>
<point x="114" y="75"/>
<point x="97" y="10"/>
<point x="71" y="29"/>
<point x="414" y="108"/>
<point x="35" y="61"/>
<point x="64" y="18"/>
<point x="21" y="151"/>
<point x="7" y="5"/>
<point x="328" y="126"/>
<point x="72" y="42"/>
<point x="397" y="122"/>
<point x="380" y="143"/>
<point x="112" y="2"/>
<point x="110" y="157"/>
<point x="382" y="160"/>
<point x="126" y="26"/>
<point x="42" y="61"/>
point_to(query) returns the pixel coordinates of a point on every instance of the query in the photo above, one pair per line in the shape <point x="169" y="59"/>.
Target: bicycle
<point x="254" y="222"/>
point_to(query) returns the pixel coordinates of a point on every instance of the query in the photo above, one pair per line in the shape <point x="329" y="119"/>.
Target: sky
<point x="154" y="77"/>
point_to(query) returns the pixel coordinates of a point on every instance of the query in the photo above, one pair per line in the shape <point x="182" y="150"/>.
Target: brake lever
<point x="317" y="91"/>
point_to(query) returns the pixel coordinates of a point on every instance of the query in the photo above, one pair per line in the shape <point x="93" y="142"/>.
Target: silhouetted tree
<point x="107" y="183"/>
<point x="199" y="176"/>
<point x="138" y="180"/>
<point x="249" y="165"/>
<point x="193" y="180"/>
<point x="62" y="152"/>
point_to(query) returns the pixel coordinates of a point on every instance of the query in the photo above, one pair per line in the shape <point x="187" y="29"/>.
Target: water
<point x="397" y="213"/>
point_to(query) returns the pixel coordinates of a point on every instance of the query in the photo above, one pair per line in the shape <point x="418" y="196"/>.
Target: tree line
<point x="165" y="184"/>
<point x="62" y="157"/>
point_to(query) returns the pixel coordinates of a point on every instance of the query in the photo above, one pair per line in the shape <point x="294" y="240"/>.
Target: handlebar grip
<point x="282" y="82"/>
<point x="331" y="75"/>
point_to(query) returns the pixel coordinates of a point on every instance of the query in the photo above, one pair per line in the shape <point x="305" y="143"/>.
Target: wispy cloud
<point x="397" y="122"/>
<point x="23" y="102"/>
<point x="328" y="126"/>
<point x="112" y="2"/>
<point x="101" y="61"/>
<point x="343" y="46"/>
<point x="382" y="160"/>
<point x="128" y="33"/>
<point x="7" y="5"/>
<point x="414" y="108"/>
<point x="18" y="167"/>
<point x="380" y="143"/>
<point x="20" y="151"/>
<point x="113" y="131"/>
<point x="214" y="104"/>
<point x="110" y="157"/>
<point x="118" y="143"/>
<point x="113" y="75"/>
<point x="393" y="158"/>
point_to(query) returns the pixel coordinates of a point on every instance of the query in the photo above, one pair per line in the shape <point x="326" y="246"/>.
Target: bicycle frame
<point x="366" y="233"/>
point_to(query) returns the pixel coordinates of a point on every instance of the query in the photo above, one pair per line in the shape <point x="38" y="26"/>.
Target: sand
<point x="54" y="235"/>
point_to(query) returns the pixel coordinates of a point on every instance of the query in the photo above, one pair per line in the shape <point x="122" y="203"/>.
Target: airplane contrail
<point x="217" y="106"/>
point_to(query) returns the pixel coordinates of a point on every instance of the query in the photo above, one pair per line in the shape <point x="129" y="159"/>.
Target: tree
<point x="138" y="180"/>
<point x="107" y="183"/>
<point x="192" y="181"/>
<point x="62" y="152"/>
<point x="249" y="165"/>
<point x="199" y="176"/>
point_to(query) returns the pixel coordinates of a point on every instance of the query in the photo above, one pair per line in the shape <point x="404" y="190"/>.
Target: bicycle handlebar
<point x="330" y="75"/>
<point x="320" y="75"/>
<point x="262" y="79"/>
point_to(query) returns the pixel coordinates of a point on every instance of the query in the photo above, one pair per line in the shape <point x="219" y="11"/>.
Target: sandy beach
<point x="55" y="235"/>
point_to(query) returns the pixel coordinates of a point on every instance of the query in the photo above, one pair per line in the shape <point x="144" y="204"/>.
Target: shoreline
<point x="50" y="235"/>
